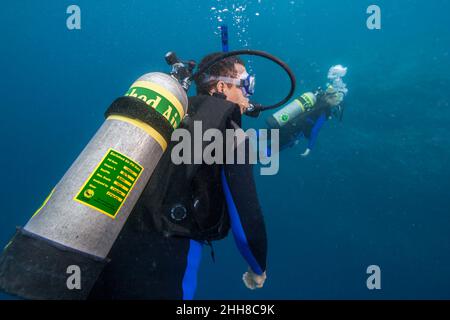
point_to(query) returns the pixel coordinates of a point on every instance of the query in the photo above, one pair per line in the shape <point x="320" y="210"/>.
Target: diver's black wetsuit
<point x="150" y="264"/>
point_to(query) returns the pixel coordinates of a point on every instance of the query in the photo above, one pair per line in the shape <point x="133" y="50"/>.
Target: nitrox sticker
<point x="109" y="185"/>
<point x="159" y="99"/>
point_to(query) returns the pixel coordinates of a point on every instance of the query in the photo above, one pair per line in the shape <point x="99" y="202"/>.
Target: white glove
<point x="253" y="280"/>
<point x="306" y="153"/>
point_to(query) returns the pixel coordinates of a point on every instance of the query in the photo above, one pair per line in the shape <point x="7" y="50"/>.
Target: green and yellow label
<point x="160" y="99"/>
<point x="110" y="184"/>
<point x="284" y="117"/>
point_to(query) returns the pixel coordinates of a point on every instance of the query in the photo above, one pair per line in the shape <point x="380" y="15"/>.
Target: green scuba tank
<point x="300" y="105"/>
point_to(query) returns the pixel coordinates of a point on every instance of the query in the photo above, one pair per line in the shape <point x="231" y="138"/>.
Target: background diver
<point x="305" y="116"/>
<point x="157" y="254"/>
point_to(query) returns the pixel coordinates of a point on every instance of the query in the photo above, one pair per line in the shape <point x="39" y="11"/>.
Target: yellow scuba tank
<point x="300" y="105"/>
<point x="81" y="219"/>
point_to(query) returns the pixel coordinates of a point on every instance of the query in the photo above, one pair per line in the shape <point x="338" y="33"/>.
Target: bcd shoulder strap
<point x="186" y="200"/>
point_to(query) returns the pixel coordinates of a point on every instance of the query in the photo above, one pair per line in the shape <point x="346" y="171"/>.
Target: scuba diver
<point x="305" y="116"/>
<point x="128" y="220"/>
<point x="183" y="207"/>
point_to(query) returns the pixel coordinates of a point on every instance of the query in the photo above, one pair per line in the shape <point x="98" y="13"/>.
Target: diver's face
<point x="234" y="93"/>
<point x="334" y="99"/>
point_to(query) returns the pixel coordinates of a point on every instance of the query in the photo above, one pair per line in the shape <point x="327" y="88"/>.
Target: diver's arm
<point x="247" y="221"/>
<point x="315" y="133"/>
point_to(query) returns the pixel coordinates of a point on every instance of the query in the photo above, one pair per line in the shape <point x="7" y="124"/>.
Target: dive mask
<point x="246" y="82"/>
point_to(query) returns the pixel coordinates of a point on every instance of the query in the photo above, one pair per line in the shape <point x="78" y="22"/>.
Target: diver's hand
<point x="243" y="104"/>
<point x="306" y="153"/>
<point x="252" y="280"/>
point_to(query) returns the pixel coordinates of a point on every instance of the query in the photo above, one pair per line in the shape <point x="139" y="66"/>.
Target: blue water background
<point x="374" y="191"/>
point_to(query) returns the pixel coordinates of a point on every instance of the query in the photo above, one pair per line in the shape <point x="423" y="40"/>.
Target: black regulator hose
<point x="255" y="109"/>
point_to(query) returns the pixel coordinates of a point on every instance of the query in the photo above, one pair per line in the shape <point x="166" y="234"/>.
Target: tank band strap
<point x="137" y="112"/>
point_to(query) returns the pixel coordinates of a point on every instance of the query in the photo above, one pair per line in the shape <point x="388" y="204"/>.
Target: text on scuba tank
<point x="157" y="102"/>
<point x="110" y="184"/>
